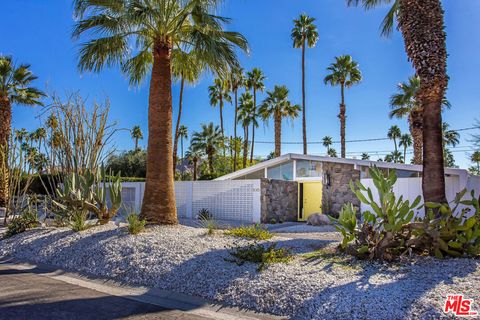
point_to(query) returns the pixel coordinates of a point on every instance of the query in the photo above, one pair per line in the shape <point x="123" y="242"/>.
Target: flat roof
<point x="367" y="163"/>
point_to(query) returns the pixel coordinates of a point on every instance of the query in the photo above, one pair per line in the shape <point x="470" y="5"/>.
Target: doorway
<point x="309" y="199"/>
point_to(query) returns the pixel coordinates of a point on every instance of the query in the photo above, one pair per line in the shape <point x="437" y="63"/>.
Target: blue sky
<point x="39" y="33"/>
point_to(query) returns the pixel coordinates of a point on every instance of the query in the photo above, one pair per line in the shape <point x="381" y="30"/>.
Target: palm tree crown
<point x="278" y="106"/>
<point x="219" y="93"/>
<point x="327" y="142"/>
<point x="208" y="141"/>
<point x="304" y="32"/>
<point x="393" y="134"/>
<point x="136" y="134"/>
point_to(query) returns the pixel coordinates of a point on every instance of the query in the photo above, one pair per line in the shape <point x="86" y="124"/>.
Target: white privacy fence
<point x="226" y="200"/>
<point x="410" y="188"/>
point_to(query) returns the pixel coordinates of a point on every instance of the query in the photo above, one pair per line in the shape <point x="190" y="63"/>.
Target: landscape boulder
<point x="318" y="219"/>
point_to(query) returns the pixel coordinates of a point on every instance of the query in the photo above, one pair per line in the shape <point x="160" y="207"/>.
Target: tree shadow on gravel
<point x="383" y="291"/>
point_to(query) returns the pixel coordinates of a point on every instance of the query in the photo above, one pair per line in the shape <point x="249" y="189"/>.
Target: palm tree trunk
<point x="195" y="170"/>
<point x="245" y="146"/>
<point x="421" y="23"/>
<point x="136" y="144"/>
<point x="253" y="125"/>
<point x="177" y="126"/>
<point x="235" y="132"/>
<point x="416" y="129"/>
<point x="405" y="154"/>
<point x="159" y="205"/>
<point x="278" y="134"/>
<point x="342" y="117"/>
<point x="5" y="129"/>
<point x="221" y="116"/>
<point x="304" y="117"/>
<point x="210" y="162"/>
<point x="395" y="143"/>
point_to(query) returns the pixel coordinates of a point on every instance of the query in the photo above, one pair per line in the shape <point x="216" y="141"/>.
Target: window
<point x="281" y="172"/>
<point x="308" y="169"/>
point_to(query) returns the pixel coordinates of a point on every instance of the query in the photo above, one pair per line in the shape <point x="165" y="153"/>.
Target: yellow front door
<point x="312" y="199"/>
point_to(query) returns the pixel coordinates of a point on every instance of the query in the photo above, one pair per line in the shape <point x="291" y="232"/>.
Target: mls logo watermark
<point x="459" y="306"/>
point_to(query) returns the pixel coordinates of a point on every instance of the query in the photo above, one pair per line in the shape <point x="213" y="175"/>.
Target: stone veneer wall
<point x="279" y="200"/>
<point x="338" y="193"/>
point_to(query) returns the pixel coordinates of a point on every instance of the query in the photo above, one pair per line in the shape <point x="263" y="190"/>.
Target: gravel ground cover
<point x="315" y="285"/>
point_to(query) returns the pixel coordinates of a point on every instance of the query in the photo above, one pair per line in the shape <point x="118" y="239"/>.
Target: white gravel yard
<point x="184" y="259"/>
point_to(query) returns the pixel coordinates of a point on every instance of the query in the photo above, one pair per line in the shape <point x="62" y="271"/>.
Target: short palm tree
<point x="365" y="156"/>
<point x="405" y="142"/>
<point x="255" y="82"/>
<point x="182" y="134"/>
<point x="136" y="134"/>
<point x="344" y="72"/>
<point x="237" y="80"/>
<point x="393" y="134"/>
<point x="245" y="110"/>
<point x="186" y="68"/>
<point x="208" y="141"/>
<point x="423" y="30"/>
<point x="15" y="89"/>
<point x="140" y="36"/>
<point x="278" y="107"/>
<point x="327" y="142"/>
<point x="194" y="157"/>
<point x="404" y="104"/>
<point x="219" y="93"/>
<point x="304" y="33"/>
<point x="332" y="153"/>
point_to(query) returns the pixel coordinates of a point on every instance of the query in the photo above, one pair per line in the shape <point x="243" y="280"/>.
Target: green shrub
<point x="204" y="214"/>
<point x="255" y="231"/>
<point x="135" y="225"/>
<point x="129" y="164"/>
<point x="262" y="255"/>
<point x="27" y="220"/>
<point x="78" y="221"/>
<point x="273" y="221"/>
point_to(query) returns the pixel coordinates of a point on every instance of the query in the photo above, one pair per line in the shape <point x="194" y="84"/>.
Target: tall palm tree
<point x="15" y="89"/>
<point x="365" y="156"/>
<point x="41" y="135"/>
<point x="182" y="134"/>
<point x="327" y="142"/>
<point x="278" y="106"/>
<point x="21" y="135"/>
<point x="194" y="157"/>
<point x="344" y="72"/>
<point x="405" y="142"/>
<point x="245" y="111"/>
<point x="136" y="134"/>
<point x="404" y="104"/>
<point x="304" y="33"/>
<point x="423" y="31"/>
<point x="219" y="94"/>
<point x="393" y="134"/>
<point x="208" y="141"/>
<point x="139" y="35"/>
<point x="186" y="68"/>
<point x="237" y="80"/>
<point x="255" y="82"/>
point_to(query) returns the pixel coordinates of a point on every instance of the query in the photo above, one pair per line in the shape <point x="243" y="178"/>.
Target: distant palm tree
<point x="304" y="33"/>
<point x="140" y="36"/>
<point x="194" y="157"/>
<point x="365" y="156"/>
<point x="186" y="68"/>
<point x="182" y="134"/>
<point x="404" y="104"/>
<point x="278" y="106"/>
<point x="41" y="135"/>
<point x="450" y="137"/>
<point x="405" y="142"/>
<point x="475" y="158"/>
<point x="393" y="134"/>
<point x="255" y="82"/>
<point x="422" y="26"/>
<point x="208" y="141"/>
<point x="15" y="89"/>
<point x="327" y="142"/>
<point x="246" y="117"/>
<point x="332" y="153"/>
<point x="219" y="94"/>
<point x="394" y="156"/>
<point x="237" y="80"/>
<point x="21" y="135"/>
<point x="136" y="134"/>
<point x="345" y="73"/>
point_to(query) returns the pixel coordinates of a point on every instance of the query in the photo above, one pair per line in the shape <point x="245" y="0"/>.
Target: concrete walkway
<point x="41" y="292"/>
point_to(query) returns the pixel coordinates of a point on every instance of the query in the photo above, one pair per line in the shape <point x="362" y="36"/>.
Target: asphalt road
<point x="24" y="294"/>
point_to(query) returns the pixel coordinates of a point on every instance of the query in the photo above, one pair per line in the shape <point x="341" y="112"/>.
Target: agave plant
<point x="88" y="193"/>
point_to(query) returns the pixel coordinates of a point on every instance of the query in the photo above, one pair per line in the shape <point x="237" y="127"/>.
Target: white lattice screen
<point x="226" y="200"/>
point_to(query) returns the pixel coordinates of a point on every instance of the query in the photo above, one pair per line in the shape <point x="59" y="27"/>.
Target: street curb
<point x="162" y="298"/>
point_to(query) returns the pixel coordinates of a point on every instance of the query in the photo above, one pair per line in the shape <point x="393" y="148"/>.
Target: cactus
<point x="88" y="193"/>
